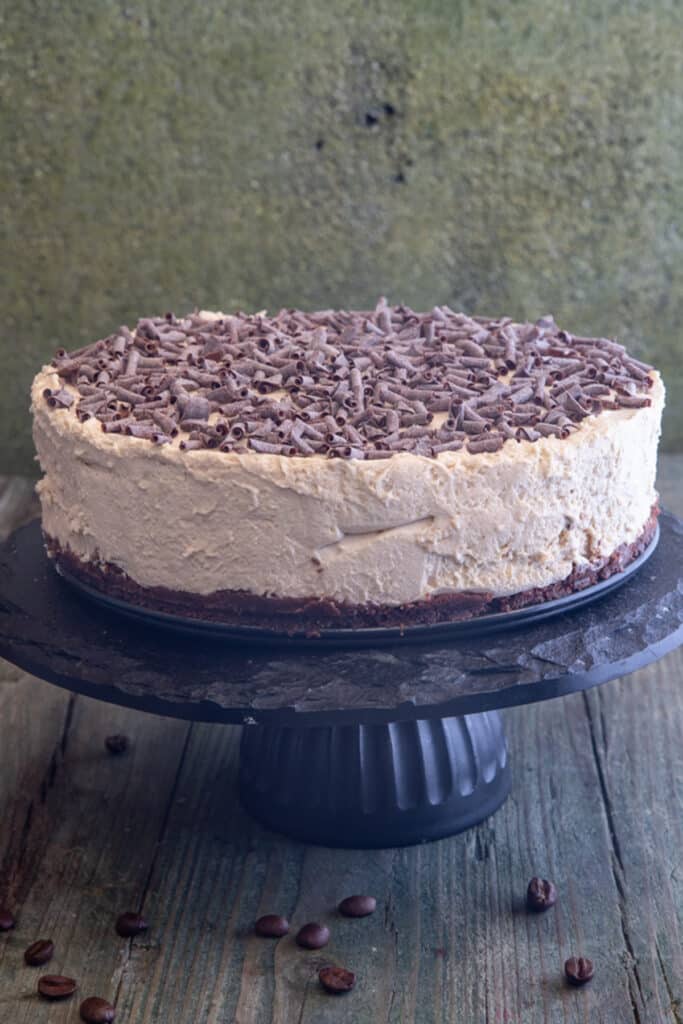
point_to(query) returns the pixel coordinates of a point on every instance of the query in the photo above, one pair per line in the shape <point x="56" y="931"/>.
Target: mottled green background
<point x="517" y="157"/>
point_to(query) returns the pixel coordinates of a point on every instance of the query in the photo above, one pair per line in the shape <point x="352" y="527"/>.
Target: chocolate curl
<point x="356" y="381"/>
<point x="60" y="399"/>
<point x="510" y="352"/>
<point x="350" y="452"/>
<point x="392" y="421"/>
<point x="527" y="434"/>
<point x="633" y="401"/>
<point x="469" y="413"/>
<point x="461" y="392"/>
<point x="168" y="425"/>
<point x="191" y="444"/>
<point x="224" y="394"/>
<point x="475" y="362"/>
<point x="522" y="395"/>
<point x="195" y="408"/>
<point x="447" y="446"/>
<point x="384" y="320"/>
<point x="91" y="405"/>
<point x="132" y="361"/>
<point x="505" y="429"/>
<point x="295" y="429"/>
<point x="144" y="430"/>
<point x="476" y="426"/>
<point x="573" y="407"/>
<point x="314" y="433"/>
<point x="557" y="416"/>
<point x="487" y="444"/>
<point x="378" y="454"/>
<point x="125" y="395"/>
<point x="551" y="430"/>
<point x="265" y="447"/>
<point x="396" y="359"/>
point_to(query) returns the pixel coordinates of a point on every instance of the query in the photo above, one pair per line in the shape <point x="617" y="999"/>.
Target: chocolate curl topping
<point x="195" y="407"/>
<point x="342" y="383"/>
<point x="60" y="399"/>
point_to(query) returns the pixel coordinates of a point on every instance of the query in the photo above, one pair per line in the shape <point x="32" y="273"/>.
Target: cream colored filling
<point x="387" y="532"/>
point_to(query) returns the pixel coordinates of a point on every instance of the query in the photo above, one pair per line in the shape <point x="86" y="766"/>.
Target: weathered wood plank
<point x="87" y="846"/>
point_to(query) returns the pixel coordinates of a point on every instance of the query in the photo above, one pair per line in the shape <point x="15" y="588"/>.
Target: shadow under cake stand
<point x="383" y="745"/>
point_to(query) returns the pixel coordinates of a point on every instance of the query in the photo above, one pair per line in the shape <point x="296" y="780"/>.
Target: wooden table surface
<point x="596" y="805"/>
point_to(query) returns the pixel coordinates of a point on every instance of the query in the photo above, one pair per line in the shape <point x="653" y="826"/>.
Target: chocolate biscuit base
<point x="290" y="615"/>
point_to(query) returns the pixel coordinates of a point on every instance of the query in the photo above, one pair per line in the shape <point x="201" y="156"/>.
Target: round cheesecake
<point x="332" y="469"/>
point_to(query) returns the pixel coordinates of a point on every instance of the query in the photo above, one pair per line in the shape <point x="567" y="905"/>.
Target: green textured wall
<point x="517" y="157"/>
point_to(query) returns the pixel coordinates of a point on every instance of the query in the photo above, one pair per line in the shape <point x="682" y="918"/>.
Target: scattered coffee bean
<point x="56" y="986"/>
<point x="117" y="744"/>
<point x="7" y="920"/>
<point x="39" y="952"/>
<point x="336" y="979"/>
<point x="272" y="926"/>
<point x="541" y="894"/>
<point x="358" y="906"/>
<point x="313" y="935"/>
<point x="97" y="1011"/>
<point x="130" y="924"/>
<point x="578" y="970"/>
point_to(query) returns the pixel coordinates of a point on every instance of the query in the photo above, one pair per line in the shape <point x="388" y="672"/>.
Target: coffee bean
<point x="272" y="926"/>
<point x="336" y="979"/>
<point x="358" y="906"/>
<point x="578" y="970"/>
<point x="56" y="986"/>
<point x="117" y="744"/>
<point x="130" y="924"/>
<point x="7" y="920"/>
<point x="540" y="895"/>
<point x="39" y="952"/>
<point x="313" y="935"/>
<point x="97" y="1011"/>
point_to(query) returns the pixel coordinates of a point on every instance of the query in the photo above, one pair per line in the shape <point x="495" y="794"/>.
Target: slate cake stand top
<point x="58" y="635"/>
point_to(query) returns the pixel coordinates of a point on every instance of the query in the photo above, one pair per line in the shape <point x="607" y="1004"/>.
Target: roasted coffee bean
<point x="578" y="970"/>
<point x="313" y="935"/>
<point x="56" y="986"/>
<point x="97" y="1011"/>
<point x="7" y="920"/>
<point x="117" y="744"/>
<point x="541" y="894"/>
<point x="272" y="926"/>
<point x="358" y="906"/>
<point x="130" y="924"/>
<point x="336" y="979"/>
<point x="39" y="952"/>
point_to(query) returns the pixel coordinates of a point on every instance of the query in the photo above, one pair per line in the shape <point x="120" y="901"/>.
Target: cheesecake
<point x="345" y="468"/>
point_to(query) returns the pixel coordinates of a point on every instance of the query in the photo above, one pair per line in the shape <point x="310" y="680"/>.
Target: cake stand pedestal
<point x="376" y="746"/>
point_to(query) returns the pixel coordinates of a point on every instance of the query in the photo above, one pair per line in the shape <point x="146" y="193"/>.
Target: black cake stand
<point x="386" y="745"/>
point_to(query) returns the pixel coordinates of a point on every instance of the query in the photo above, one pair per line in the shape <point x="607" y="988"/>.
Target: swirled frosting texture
<point x="387" y="532"/>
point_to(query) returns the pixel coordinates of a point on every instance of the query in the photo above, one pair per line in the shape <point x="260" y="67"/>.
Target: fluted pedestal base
<point x="375" y="785"/>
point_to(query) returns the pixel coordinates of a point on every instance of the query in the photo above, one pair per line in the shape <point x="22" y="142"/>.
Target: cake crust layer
<point x="311" y="615"/>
